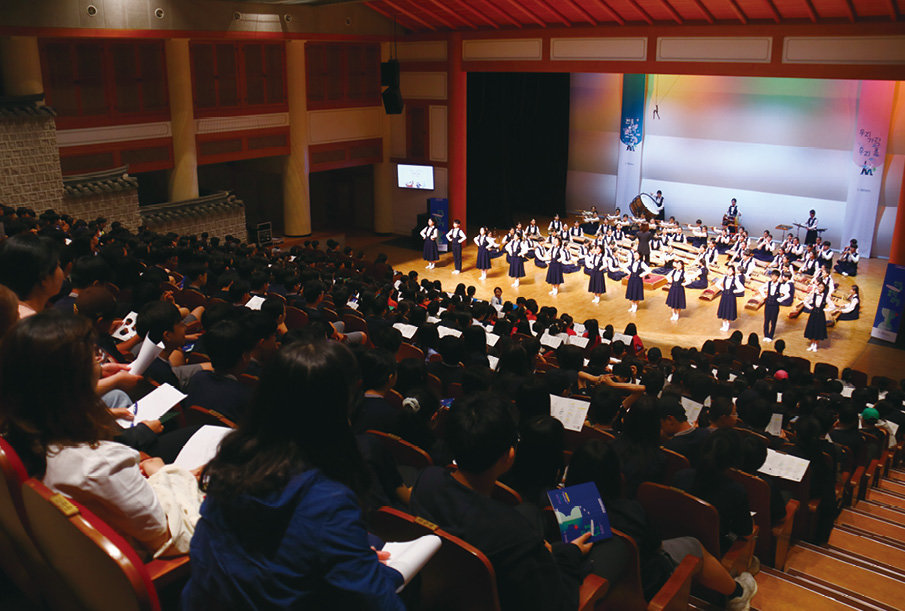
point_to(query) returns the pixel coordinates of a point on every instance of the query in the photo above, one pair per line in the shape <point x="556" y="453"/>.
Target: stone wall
<point x="219" y="215"/>
<point x="119" y="206"/>
<point x="29" y="161"/>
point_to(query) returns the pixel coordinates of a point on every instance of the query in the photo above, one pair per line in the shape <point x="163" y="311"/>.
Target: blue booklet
<point x="579" y="509"/>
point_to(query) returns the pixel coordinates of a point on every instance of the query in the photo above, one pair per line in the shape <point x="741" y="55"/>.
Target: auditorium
<point x="452" y="304"/>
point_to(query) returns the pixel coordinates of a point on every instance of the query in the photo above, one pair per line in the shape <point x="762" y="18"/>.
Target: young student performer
<point x="637" y="270"/>
<point x="555" y="258"/>
<point x="848" y="260"/>
<point x="773" y="292"/>
<point x="596" y="265"/>
<point x="852" y="308"/>
<point x="431" y="251"/>
<point x="484" y="243"/>
<point x="731" y="285"/>
<point x="675" y="298"/>
<point x="811" y="224"/>
<point x="456" y="237"/>
<point x="517" y="249"/>
<point x="815" y="330"/>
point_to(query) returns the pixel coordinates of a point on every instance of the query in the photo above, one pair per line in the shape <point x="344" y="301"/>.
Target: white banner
<point x="868" y="158"/>
<point x="631" y="139"/>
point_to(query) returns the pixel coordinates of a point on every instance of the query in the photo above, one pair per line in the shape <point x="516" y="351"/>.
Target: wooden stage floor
<point x="847" y="345"/>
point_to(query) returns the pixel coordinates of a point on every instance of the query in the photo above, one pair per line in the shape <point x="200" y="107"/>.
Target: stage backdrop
<point x="780" y="146"/>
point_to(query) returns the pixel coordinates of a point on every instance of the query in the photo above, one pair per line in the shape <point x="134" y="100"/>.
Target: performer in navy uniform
<point x="456" y="237"/>
<point x="555" y="257"/>
<point x="732" y="212"/>
<point x="517" y="249"/>
<point x="771" y="292"/>
<point x="700" y="281"/>
<point x="634" y="290"/>
<point x="675" y="298"/>
<point x="532" y="231"/>
<point x="732" y="287"/>
<point x="815" y="330"/>
<point x="484" y="243"/>
<point x="852" y="309"/>
<point x="811" y="225"/>
<point x="658" y="199"/>
<point x="848" y="261"/>
<point x="431" y="252"/>
<point x="787" y="297"/>
<point x="555" y="226"/>
<point x="596" y="266"/>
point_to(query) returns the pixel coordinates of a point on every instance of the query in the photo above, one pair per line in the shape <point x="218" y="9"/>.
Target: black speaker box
<point x="392" y="101"/>
<point x="389" y="74"/>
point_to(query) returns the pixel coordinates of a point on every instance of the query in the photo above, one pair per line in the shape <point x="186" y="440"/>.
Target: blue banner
<point x="632" y="127"/>
<point x="891" y="304"/>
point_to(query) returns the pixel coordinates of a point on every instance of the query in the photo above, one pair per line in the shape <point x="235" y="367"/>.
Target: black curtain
<point x="518" y="146"/>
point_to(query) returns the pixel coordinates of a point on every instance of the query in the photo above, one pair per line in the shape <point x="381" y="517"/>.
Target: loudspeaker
<point x="389" y="74"/>
<point x="392" y="101"/>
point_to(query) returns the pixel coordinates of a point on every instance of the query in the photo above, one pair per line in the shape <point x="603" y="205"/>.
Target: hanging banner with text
<point x="868" y="157"/>
<point x="891" y="304"/>
<point x="631" y="135"/>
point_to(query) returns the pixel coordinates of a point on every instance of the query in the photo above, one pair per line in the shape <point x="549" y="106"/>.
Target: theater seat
<point x="195" y="414"/>
<point x="403" y="452"/>
<point x="98" y="568"/>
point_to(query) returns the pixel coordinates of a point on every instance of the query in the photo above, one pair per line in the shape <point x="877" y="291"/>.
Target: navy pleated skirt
<point x="597" y="283"/>
<point x="728" y="309"/>
<point x="483" y="261"/>
<point x="675" y="298"/>
<point x="431" y="253"/>
<point x="554" y="273"/>
<point x="634" y="291"/>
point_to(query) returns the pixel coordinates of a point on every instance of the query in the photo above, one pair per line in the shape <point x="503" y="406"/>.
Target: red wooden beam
<point x="583" y="12"/>
<point x="850" y="8"/>
<point x="776" y="16"/>
<point x="672" y="12"/>
<point x="738" y="11"/>
<point x="644" y="14"/>
<point x="408" y="14"/>
<point x="559" y="15"/>
<point x="529" y="14"/>
<point x="458" y="16"/>
<point x="385" y="13"/>
<point x="893" y="10"/>
<point x="812" y="12"/>
<point x="479" y="14"/>
<point x="438" y="17"/>
<point x="506" y="14"/>
<point x="707" y="14"/>
<point x="609" y="10"/>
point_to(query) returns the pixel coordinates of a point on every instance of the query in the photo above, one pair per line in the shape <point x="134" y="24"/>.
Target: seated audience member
<point x="639" y="446"/>
<point x="229" y="347"/>
<point x="597" y="462"/>
<point x="449" y="369"/>
<point x="679" y="435"/>
<point x="30" y="267"/>
<point x="63" y="432"/>
<point x="538" y="465"/>
<point x="482" y="435"/>
<point x="9" y="310"/>
<point x="98" y="305"/>
<point x="263" y="330"/>
<point x="161" y="322"/>
<point x="86" y="272"/>
<point x="378" y="376"/>
<point x="722" y="414"/>
<point x="710" y="481"/>
<point x="282" y="524"/>
<point x="313" y="294"/>
<point x="753" y="454"/>
<point x="810" y="445"/>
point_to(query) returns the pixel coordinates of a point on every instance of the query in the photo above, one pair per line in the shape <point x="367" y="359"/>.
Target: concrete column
<point x="457" y="130"/>
<point x="183" y="183"/>
<point x="384" y="182"/>
<point x="897" y="247"/>
<point x="296" y="196"/>
<point x="20" y="65"/>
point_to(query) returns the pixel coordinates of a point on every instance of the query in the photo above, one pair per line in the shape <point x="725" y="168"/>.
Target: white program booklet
<point x="444" y="331"/>
<point x="581" y="342"/>
<point x="692" y="409"/>
<point x="201" y="447"/>
<point x="127" y="329"/>
<point x="409" y="557"/>
<point x="492" y="339"/>
<point x="494" y="361"/>
<point x="153" y="405"/>
<point x="147" y="354"/>
<point x="255" y="302"/>
<point x="553" y="341"/>
<point x="408" y="331"/>
<point x="775" y="426"/>
<point x="433" y="320"/>
<point x="578" y="328"/>
<point x="785" y="466"/>
<point x="571" y="412"/>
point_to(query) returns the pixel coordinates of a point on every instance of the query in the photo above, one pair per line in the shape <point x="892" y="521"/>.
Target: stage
<point x="847" y="345"/>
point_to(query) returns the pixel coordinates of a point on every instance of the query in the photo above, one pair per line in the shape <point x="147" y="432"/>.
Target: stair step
<point x="778" y="591"/>
<point x="893" y="514"/>
<point x="895" y="475"/>
<point x="823" y="568"/>
<point x="892" y="486"/>
<point x="886" y="498"/>
<point x="868" y="550"/>
<point x="871" y="523"/>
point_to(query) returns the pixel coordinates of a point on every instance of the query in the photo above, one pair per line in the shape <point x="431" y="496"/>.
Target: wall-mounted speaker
<point x="389" y="74"/>
<point x="392" y="101"/>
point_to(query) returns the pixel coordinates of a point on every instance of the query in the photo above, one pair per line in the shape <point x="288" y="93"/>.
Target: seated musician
<point x="576" y="233"/>
<point x="848" y="261"/>
<point x="532" y="232"/>
<point x="698" y="233"/>
<point x="763" y="250"/>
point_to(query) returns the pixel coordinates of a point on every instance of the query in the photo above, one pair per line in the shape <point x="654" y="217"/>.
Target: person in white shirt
<point x="456" y="237"/>
<point x="517" y="249"/>
<point x="811" y="225"/>
<point x="555" y="226"/>
<point x="596" y="265"/>
<point x="431" y="250"/>
<point x="484" y="243"/>
<point x="732" y="285"/>
<point x="634" y="290"/>
<point x="773" y="291"/>
<point x="848" y="261"/>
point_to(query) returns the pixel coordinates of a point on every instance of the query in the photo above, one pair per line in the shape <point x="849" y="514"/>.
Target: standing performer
<point x="644" y="235"/>
<point x="637" y="270"/>
<point x="484" y="243"/>
<point x="596" y="265"/>
<point x="658" y="199"/>
<point x="456" y="237"/>
<point x="675" y="298"/>
<point x="517" y="249"/>
<point x="771" y="290"/>
<point x="815" y="330"/>
<point x="811" y="224"/>
<point x="431" y="252"/>
<point x="731" y="285"/>
<point x="787" y="295"/>
<point x="555" y="258"/>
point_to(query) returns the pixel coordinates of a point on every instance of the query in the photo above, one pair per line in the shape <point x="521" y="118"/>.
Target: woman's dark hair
<point x="539" y="459"/>
<point x="299" y="421"/>
<point x="719" y="453"/>
<point x="26" y="260"/>
<point x="642" y="423"/>
<point x="514" y="360"/>
<point x="57" y="347"/>
<point x="596" y="461"/>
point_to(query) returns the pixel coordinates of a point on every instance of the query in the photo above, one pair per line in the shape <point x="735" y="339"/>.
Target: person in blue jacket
<point x="282" y="523"/>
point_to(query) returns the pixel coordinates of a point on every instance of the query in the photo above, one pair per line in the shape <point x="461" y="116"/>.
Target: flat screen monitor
<point x="415" y="177"/>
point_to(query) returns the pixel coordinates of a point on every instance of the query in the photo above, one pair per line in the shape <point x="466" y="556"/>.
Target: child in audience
<point x="229" y="347"/>
<point x="30" y="267"/>
<point x="282" y="524"/>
